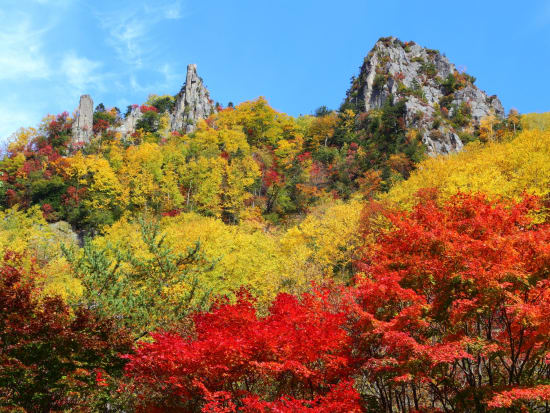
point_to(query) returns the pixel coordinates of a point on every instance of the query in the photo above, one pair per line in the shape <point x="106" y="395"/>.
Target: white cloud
<point x="55" y="3"/>
<point x="126" y="39"/>
<point x="38" y="76"/>
<point x="169" y="81"/>
<point x="22" y="38"/>
<point x="21" y="54"/>
<point x="80" y="72"/>
<point x="170" y="76"/>
<point x="172" y="11"/>
<point x="130" y="26"/>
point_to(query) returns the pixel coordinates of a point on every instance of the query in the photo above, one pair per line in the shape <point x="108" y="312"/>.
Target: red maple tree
<point x="295" y="359"/>
<point x="453" y="306"/>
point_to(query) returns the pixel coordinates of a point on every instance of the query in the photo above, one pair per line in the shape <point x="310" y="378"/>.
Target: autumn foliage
<point x="449" y="313"/>
<point x="294" y="359"/>
<point x="51" y="358"/>
<point x="453" y="306"/>
<point x="230" y="269"/>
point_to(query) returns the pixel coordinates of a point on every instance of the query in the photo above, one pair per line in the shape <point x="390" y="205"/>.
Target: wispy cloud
<point x="39" y="73"/>
<point x="170" y="79"/>
<point x="55" y="3"/>
<point x="168" y="10"/>
<point x="21" y="49"/>
<point x="169" y="74"/>
<point x="81" y="72"/>
<point x="34" y="74"/>
<point x="129" y="27"/>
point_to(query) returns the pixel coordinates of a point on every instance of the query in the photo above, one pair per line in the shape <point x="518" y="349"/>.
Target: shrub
<point x="149" y="121"/>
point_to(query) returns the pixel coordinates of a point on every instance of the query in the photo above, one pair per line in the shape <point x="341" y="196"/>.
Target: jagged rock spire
<point x="83" y="123"/>
<point x="192" y="103"/>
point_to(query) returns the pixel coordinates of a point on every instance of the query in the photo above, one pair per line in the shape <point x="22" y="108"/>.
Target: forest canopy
<point x="263" y="262"/>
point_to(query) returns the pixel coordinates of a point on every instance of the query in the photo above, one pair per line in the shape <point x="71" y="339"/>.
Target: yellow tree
<point x="21" y="139"/>
<point x="203" y="178"/>
<point x="220" y="172"/>
<point x="487" y="128"/>
<point x="104" y="197"/>
<point x="148" y="181"/>
<point x="328" y="238"/>
<point x="321" y="130"/>
<point x="262" y="124"/>
<point x="539" y="121"/>
<point x="27" y="233"/>
<point x="240" y="175"/>
<point x="245" y="255"/>
<point x="505" y="169"/>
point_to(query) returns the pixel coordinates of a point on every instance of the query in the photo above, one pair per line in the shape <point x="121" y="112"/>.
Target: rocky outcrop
<point x="83" y="123"/>
<point x="63" y="232"/>
<point x="128" y="124"/>
<point x="441" y="102"/>
<point x="192" y="103"/>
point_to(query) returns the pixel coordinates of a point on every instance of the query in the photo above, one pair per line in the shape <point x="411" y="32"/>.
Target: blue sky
<point x="299" y="54"/>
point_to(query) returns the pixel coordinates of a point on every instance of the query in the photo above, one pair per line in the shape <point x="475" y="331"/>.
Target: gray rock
<point x="128" y="125"/>
<point x="83" y="123"/>
<point x="479" y="102"/>
<point x="63" y="232"/>
<point x="193" y="103"/>
<point x="441" y="141"/>
<point x="407" y="71"/>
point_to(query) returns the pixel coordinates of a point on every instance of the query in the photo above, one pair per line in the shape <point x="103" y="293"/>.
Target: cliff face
<point x="441" y="103"/>
<point x="193" y="103"/>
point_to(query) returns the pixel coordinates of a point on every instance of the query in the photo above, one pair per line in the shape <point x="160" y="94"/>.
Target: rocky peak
<point x="83" y="123"/>
<point x="441" y="102"/>
<point x="192" y="103"/>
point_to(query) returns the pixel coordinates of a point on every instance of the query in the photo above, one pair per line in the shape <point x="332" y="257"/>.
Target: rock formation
<point x="441" y="103"/>
<point x="128" y="125"/>
<point x="83" y="123"/>
<point x="192" y="103"/>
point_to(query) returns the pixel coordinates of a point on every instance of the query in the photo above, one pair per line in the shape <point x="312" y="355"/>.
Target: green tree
<point x="148" y="290"/>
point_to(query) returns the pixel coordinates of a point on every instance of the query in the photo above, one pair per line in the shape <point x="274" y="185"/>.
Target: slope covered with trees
<point x="258" y="262"/>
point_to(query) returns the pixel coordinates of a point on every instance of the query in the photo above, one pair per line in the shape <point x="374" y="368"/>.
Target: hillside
<point x="539" y="121"/>
<point x="389" y="256"/>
